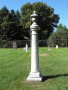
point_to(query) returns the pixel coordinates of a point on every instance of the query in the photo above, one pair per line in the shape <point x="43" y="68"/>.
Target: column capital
<point x="34" y="25"/>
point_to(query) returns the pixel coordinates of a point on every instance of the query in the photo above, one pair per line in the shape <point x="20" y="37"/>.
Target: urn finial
<point x="34" y="14"/>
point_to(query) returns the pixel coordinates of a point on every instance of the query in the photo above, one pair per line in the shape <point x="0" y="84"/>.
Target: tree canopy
<point x="15" y="25"/>
<point x="10" y="24"/>
<point x="60" y="36"/>
<point x="47" y="19"/>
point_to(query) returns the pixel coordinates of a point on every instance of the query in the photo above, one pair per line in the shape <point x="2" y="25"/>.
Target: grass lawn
<point x="15" y="67"/>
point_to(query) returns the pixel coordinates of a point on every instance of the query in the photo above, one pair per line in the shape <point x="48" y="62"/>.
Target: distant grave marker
<point x="56" y="46"/>
<point x="14" y="45"/>
<point x="49" y="48"/>
<point x="26" y="47"/>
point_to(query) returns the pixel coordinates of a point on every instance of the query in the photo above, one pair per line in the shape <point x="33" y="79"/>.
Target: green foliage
<point x="59" y="37"/>
<point x="15" y="25"/>
<point x="10" y="24"/>
<point x="3" y="41"/>
<point x="47" y="20"/>
<point x="51" y="40"/>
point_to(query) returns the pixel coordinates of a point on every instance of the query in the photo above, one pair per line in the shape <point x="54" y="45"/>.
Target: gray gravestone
<point x="14" y="45"/>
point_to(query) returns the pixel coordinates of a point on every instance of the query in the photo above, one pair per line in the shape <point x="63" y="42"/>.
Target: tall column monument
<point x="35" y="73"/>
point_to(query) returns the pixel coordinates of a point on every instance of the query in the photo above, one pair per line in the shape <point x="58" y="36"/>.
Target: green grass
<point x="15" y="67"/>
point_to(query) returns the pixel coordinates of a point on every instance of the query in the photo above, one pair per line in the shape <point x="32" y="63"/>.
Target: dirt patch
<point x="43" y="54"/>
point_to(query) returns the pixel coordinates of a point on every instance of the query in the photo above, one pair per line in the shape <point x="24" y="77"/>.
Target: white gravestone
<point x="56" y="46"/>
<point x="35" y="72"/>
<point x="26" y="47"/>
<point x="49" y="48"/>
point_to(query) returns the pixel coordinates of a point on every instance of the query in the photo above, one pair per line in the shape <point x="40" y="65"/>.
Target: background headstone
<point x="14" y="45"/>
<point x="56" y="46"/>
<point x="26" y="47"/>
<point x="49" y="48"/>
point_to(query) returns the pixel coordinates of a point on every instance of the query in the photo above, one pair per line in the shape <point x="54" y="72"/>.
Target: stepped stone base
<point x="34" y="76"/>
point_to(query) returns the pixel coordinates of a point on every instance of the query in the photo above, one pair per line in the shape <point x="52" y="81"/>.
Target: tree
<point x="10" y="24"/>
<point x="59" y="37"/>
<point x="14" y="23"/>
<point x="4" y="15"/>
<point x="47" y="20"/>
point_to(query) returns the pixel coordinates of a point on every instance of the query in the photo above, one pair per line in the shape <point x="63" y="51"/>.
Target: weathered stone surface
<point x="14" y="45"/>
<point x="35" y="73"/>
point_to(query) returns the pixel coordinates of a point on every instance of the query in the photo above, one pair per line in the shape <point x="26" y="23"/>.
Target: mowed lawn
<point x="15" y="68"/>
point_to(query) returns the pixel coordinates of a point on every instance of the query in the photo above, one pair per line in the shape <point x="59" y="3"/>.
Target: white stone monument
<point x="56" y="46"/>
<point x="34" y="73"/>
<point x="49" y="48"/>
<point x="26" y="47"/>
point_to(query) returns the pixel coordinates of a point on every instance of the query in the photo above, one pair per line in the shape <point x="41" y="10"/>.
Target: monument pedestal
<point x="34" y="76"/>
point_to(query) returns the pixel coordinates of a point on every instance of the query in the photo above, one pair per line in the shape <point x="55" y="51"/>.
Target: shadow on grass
<point x="53" y="76"/>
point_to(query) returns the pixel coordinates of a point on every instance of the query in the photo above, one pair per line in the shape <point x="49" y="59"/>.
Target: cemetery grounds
<point x="15" y="67"/>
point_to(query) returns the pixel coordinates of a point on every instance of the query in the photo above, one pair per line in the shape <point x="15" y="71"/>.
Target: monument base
<point x="34" y="76"/>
